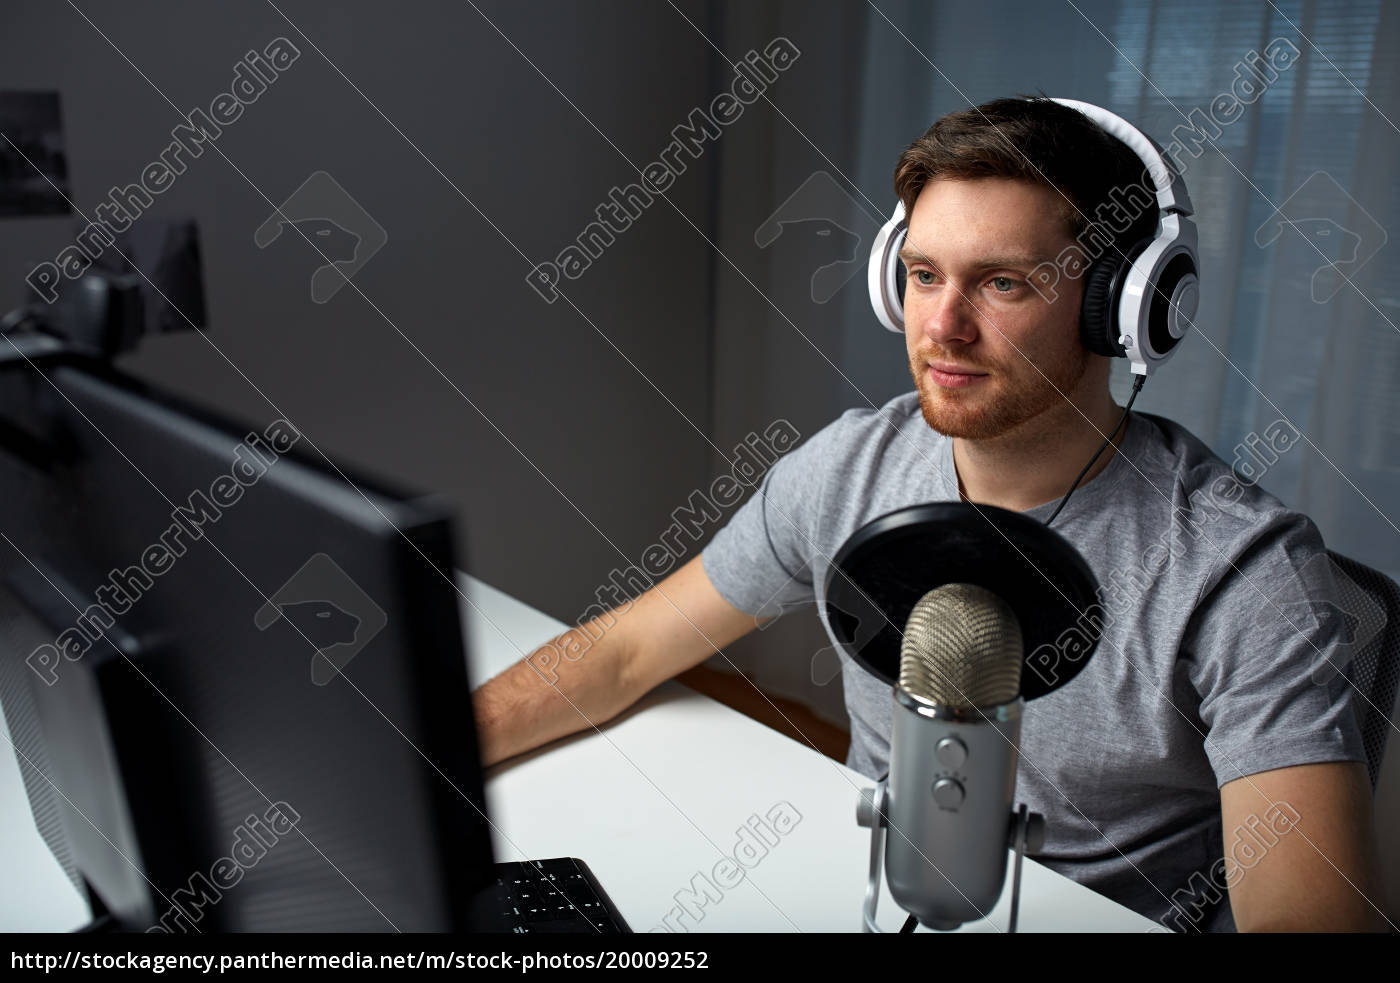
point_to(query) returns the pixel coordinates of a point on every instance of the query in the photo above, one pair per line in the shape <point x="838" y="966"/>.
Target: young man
<point x="1200" y="751"/>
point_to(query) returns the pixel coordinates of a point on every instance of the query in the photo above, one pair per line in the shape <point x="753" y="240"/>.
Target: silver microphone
<point x="953" y="752"/>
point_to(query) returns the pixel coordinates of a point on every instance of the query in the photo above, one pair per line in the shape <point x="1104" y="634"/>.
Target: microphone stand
<point x="1027" y="832"/>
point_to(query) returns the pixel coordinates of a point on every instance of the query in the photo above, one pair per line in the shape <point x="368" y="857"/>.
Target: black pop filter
<point x="892" y="561"/>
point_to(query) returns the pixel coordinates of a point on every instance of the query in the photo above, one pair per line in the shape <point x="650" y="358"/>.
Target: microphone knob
<point x="951" y="752"/>
<point x="948" y="793"/>
<point x="866" y="808"/>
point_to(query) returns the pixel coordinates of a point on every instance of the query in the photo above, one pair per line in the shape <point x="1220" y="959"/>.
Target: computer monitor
<point x="234" y="681"/>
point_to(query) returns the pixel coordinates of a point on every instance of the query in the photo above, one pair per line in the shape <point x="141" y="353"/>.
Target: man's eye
<point x="924" y="277"/>
<point x="1004" y="284"/>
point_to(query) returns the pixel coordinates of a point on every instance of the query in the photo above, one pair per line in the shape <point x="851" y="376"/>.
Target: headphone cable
<point x="1137" y="388"/>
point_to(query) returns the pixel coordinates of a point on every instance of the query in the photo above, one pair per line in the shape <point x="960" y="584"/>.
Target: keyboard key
<point x="553" y="895"/>
<point x="510" y="870"/>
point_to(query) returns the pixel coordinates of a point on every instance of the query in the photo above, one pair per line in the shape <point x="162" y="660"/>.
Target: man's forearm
<point x="528" y="705"/>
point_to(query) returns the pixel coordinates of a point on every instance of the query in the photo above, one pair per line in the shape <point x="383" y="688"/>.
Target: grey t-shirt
<point x="1212" y="664"/>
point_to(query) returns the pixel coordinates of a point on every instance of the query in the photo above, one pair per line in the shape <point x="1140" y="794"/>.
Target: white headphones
<point x="1137" y="303"/>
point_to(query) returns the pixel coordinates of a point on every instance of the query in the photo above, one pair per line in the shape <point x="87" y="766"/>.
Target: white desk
<point x="651" y="801"/>
<point x="657" y="796"/>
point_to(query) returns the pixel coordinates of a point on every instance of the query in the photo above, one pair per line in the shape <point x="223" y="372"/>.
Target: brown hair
<point x="1037" y="140"/>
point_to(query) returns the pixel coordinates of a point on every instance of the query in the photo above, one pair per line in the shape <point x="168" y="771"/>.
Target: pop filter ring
<point x="892" y="561"/>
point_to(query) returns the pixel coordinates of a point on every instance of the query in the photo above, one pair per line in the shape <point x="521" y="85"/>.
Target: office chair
<point x="1375" y="666"/>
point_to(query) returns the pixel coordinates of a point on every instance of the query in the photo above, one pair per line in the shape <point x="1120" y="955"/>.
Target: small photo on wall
<point x="33" y="161"/>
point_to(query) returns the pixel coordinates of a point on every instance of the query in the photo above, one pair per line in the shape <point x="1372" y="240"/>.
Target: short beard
<point x="1039" y="390"/>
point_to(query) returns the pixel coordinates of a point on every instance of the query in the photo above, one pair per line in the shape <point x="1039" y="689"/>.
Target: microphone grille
<point x="962" y="648"/>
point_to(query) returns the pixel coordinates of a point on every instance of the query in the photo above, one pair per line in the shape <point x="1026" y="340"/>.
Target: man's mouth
<point x="950" y="375"/>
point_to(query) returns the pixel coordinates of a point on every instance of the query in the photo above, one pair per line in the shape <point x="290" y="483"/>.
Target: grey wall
<point x="609" y="447"/>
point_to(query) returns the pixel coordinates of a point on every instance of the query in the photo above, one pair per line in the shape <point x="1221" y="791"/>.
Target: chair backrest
<point x="1374" y="667"/>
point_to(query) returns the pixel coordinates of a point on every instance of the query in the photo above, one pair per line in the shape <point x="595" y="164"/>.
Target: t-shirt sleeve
<point x="1269" y="650"/>
<point x="760" y="561"/>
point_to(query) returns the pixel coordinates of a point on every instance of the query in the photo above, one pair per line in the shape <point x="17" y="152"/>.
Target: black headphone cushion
<point x="1098" y="325"/>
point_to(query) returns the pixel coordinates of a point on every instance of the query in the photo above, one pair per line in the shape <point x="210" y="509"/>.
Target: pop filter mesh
<point x="962" y="648"/>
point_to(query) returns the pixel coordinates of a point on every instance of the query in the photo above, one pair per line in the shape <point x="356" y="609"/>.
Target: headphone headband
<point x="1168" y="184"/>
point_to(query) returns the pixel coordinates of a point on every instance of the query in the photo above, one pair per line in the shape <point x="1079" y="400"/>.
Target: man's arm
<point x="1307" y="842"/>
<point x="599" y="669"/>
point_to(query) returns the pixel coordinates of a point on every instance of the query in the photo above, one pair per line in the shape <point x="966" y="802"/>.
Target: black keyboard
<point x="559" y="895"/>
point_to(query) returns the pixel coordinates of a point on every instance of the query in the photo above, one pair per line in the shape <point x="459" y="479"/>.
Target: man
<point x="1202" y="718"/>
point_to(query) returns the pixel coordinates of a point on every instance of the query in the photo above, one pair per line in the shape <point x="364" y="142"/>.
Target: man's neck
<point x="1035" y="463"/>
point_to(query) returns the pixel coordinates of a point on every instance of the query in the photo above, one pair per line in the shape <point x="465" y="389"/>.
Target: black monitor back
<point x="275" y="733"/>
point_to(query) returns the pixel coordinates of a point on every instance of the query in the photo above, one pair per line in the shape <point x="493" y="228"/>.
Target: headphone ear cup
<point x="885" y="272"/>
<point x="1098" y="323"/>
<point x="1173" y="303"/>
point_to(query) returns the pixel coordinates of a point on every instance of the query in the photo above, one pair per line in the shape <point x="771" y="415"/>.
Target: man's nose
<point x="949" y="317"/>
